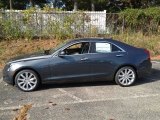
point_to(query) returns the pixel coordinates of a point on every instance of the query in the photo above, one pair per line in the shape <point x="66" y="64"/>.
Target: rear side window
<point x="104" y="47"/>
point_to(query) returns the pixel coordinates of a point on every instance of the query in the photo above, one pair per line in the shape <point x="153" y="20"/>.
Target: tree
<point x="141" y="3"/>
<point x="3" y="3"/>
<point x="109" y="5"/>
<point x="95" y="3"/>
<point x="20" y="4"/>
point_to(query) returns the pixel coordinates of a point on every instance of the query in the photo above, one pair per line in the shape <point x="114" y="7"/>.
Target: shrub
<point x="145" y="20"/>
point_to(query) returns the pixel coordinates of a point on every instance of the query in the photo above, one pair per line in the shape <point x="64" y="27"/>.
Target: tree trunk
<point x="10" y="4"/>
<point x="75" y="5"/>
<point x="92" y="6"/>
<point x="31" y="3"/>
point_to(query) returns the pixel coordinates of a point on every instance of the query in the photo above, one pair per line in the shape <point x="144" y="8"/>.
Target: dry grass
<point x="9" y="49"/>
<point x="151" y="42"/>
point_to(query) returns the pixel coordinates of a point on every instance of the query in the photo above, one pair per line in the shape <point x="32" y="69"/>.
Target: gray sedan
<point x="81" y="60"/>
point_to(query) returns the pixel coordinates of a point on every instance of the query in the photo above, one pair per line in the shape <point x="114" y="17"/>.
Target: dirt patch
<point x="10" y="49"/>
<point x="156" y="58"/>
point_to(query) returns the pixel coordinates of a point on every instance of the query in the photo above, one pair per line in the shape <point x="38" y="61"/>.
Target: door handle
<point x="120" y="55"/>
<point x="83" y="59"/>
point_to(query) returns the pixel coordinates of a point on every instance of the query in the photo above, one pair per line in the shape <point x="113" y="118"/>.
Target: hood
<point x="33" y="56"/>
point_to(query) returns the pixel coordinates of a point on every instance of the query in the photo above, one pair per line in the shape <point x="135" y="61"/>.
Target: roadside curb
<point x="155" y="62"/>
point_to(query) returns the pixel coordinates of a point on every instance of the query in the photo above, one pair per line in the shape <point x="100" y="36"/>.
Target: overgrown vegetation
<point x="48" y="23"/>
<point x="56" y="24"/>
<point x="146" y="21"/>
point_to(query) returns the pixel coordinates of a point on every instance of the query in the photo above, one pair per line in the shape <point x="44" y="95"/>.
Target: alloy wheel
<point x="27" y="80"/>
<point x="125" y="76"/>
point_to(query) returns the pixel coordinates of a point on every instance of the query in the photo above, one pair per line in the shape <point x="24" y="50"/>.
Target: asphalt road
<point x="87" y="101"/>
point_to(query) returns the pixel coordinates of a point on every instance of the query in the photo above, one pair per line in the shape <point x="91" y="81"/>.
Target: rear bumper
<point x="144" y="70"/>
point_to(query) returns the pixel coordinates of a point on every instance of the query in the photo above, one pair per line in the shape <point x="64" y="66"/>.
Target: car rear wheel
<point x="27" y="80"/>
<point x="125" y="76"/>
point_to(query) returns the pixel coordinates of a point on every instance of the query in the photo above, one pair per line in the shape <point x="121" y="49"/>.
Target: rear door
<point x="105" y="59"/>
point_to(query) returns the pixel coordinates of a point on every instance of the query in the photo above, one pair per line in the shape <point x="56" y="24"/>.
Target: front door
<point x="74" y="63"/>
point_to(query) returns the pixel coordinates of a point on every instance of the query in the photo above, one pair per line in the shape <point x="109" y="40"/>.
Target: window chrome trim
<point x="122" y="50"/>
<point x="89" y="51"/>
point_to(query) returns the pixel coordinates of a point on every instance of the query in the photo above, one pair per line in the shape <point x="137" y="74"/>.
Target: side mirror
<point x="61" y="53"/>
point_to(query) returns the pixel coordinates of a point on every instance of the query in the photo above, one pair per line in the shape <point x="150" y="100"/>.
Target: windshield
<point x="58" y="47"/>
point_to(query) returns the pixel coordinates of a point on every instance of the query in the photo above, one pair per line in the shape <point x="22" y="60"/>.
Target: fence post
<point x="41" y="23"/>
<point x="123" y="24"/>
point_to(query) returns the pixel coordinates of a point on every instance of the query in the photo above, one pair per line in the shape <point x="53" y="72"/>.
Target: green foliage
<point x="109" y="5"/>
<point x="146" y="20"/>
<point x="47" y="8"/>
<point x="13" y="28"/>
<point x="65" y="26"/>
<point x="28" y="14"/>
<point x="31" y="24"/>
<point x="10" y="29"/>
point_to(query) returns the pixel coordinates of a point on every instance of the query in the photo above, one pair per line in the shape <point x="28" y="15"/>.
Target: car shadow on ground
<point x="153" y="77"/>
<point x="72" y="85"/>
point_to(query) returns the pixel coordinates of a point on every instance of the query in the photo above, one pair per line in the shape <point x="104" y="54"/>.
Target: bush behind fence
<point x="68" y="24"/>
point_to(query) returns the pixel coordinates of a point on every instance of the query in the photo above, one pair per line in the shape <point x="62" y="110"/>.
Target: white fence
<point x="40" y="20"/>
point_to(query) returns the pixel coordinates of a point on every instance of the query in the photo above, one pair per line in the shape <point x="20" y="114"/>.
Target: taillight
<point x="148" y="53"/>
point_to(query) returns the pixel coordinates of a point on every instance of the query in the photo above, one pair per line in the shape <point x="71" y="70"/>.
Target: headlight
<point x="9" y="66"/>
<point x="13" y="66"/>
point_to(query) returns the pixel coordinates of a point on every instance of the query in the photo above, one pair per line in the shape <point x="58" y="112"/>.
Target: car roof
<point x="89" y="39"/>
<point x="97" y="40"/>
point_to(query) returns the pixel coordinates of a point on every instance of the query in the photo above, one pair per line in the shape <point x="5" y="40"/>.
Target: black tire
<point x="127" y="79"/>
<point x="29" y="78"/>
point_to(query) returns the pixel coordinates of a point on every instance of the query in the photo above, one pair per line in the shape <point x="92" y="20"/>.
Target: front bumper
<point x="7" y="77"/>
<point x="8" y="80"/>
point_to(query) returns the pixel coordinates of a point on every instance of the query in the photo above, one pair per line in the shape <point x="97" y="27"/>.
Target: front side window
<point x="78" y="48"/>
<point x="104" y="47"/>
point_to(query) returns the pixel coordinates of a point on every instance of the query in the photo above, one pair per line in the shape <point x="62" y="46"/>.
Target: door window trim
<point x="89" y="51"/>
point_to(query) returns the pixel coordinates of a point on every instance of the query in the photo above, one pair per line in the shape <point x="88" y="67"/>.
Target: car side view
<point x="80" y="60"/>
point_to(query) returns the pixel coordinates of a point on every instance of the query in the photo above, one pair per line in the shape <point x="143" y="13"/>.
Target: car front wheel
<point x="27" y="80"/>
<point x="125" y="76"/>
